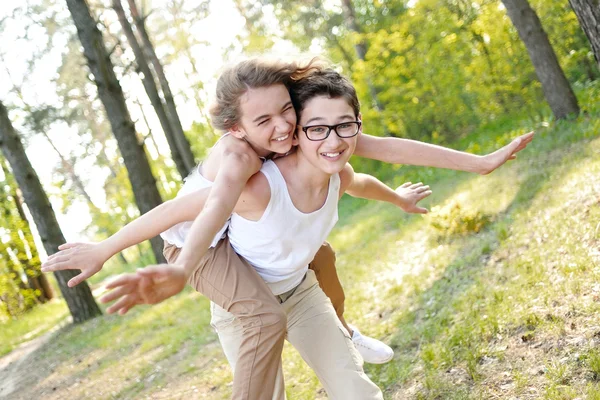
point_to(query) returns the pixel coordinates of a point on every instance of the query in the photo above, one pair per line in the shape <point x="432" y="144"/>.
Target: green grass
<point x="31" y="325"/>
<point x="508" y="311"/>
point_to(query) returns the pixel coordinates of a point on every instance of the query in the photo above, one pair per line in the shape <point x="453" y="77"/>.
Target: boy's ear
<point x="359" y="118"/>
<point x="295" y="138"/>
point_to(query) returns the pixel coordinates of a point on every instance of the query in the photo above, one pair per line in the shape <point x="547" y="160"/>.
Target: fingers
<point x="123" y="305"/>
<point x="117" y="293"/>
<point x="79" y="278"/>
<point x="58" y="264"/>
<point x="123" y="280"/>
<point x="421" y="210"/>
<point x="66" y="246"/>
<point x="424" y="194"/>
<point x="406" y="184"/>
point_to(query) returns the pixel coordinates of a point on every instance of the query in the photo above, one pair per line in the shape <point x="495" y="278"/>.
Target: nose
<point x="333" y="139"/>
<point x="281" y="124"/>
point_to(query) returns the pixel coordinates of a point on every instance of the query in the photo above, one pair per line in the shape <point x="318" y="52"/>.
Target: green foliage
<point x="19" y="259"/>
<point x="452" y="219"/>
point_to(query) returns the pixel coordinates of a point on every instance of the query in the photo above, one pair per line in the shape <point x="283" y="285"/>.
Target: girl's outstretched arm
<point x="90" y="257"/>
<point x="412" y="152"/>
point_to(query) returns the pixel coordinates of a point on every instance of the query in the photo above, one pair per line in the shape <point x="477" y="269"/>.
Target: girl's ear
<point x="237" y="131"/>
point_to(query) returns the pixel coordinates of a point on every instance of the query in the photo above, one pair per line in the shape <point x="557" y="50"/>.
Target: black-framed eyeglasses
<point x="321" y="132"/>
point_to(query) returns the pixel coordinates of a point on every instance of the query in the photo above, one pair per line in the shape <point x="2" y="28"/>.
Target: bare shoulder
<point x="346" y="178"/>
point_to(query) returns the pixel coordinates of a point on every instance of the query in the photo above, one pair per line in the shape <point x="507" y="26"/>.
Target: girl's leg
<point x="317" y="333"/>
<point x="231" y="331"/>
<point x="372" y="350"/>
<point x="231" y="283"/>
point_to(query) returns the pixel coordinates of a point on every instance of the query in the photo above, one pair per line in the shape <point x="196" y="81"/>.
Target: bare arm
<point x="412" y="152"/>
<point x="155" y="283"/>
<point x="368" y="187"/>
<point x="90" y="257"/>
<point x="234" y="173"/>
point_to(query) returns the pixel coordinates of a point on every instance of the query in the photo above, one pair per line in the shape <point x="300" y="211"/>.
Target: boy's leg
<point x="332" y="356"/>
<point x="372" y="350"/>
<point x="230" y="332"/>
<point x="232" y="283"/>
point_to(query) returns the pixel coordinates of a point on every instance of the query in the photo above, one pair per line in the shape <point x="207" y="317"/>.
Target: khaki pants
<point x="232" y="284"/>
<point x="315" y="330"/>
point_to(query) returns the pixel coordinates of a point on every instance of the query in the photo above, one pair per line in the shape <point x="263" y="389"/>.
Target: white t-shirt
<point x="285" y="240"/>
<point x="176" y="234"/>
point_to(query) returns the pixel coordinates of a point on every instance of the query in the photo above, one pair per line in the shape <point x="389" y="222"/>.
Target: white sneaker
<point x="372" y="350"/>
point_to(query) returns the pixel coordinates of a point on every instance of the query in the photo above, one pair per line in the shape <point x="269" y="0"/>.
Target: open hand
<point x="508" y="152"/>
<point x="411" y="194"/>
<point x="149" y="285"/>
<point x="87" y="257"/>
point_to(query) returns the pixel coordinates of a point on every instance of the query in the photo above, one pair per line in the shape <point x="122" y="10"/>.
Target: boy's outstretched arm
<point x="90" y="257"/>
<point x="412" y="152"/>
<point x="368" y="187"/>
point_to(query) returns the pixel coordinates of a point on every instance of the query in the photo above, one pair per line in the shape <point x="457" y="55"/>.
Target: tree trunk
<point x="143" y="182"/>
<point x="588" y="14"/>
<point x="79" y="299"/>
<point x="182" y="142"/>
<point x="152" y="91"/>
<point x="557" y="89"/>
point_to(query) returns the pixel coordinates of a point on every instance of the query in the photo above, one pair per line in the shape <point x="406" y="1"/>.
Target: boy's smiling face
<point x="331" y="154"/>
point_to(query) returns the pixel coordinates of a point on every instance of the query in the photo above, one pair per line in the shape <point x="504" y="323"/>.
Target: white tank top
<point x="195" y="181"/>
<point x="285" y="240"/>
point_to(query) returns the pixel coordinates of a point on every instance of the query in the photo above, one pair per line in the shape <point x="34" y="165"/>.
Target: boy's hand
<point x="149" y="285"/>
<point x="508" y="152"/>
<point x="411" y="194"/>
<point x="87" y="257"/>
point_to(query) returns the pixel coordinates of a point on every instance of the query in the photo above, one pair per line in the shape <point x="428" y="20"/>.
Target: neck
<point x="304" y="174"/>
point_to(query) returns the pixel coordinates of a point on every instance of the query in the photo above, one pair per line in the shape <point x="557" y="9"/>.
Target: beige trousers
<point x="233" y="285"/>
<point x="315" y="330"/>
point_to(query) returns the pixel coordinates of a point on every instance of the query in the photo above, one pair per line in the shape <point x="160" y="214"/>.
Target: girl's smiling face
<point x="268" y="119"/>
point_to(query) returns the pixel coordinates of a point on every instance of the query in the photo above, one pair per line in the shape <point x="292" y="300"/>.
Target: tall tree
<point x="80" y="301"/>
<point x="555" y="85"/>
<point x="180" y="153"/>
<point x="111" y="94"/>
<point x="182" y="142"/>
<point x="588" y="15"/>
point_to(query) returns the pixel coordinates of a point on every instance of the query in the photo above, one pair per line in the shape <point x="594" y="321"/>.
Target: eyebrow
<point x="319" y="119"/>
<point x="286" y="105"/>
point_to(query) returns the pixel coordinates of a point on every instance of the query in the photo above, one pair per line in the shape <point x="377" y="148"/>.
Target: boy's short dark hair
<point x="323" y="82"/>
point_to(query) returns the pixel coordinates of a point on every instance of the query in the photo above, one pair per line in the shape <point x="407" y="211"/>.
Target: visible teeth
<point x="332" y="154"/>
<point x="281" y="139"/>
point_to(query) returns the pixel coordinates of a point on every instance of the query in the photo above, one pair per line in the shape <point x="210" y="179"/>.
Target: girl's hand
<point x="87" y="257"/>
<point x="149" y="285"/>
